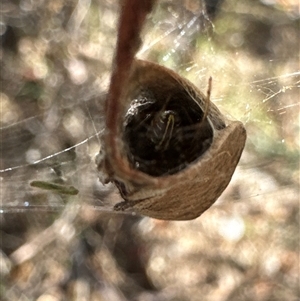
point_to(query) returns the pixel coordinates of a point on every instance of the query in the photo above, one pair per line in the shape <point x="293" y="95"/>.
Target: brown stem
<point x="133" y="15"/>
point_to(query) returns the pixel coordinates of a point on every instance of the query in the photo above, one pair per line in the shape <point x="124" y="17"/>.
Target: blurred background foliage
<point x="55" y="65"/>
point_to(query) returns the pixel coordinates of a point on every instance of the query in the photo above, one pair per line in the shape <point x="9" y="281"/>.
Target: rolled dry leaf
<point x="179" y="150"/>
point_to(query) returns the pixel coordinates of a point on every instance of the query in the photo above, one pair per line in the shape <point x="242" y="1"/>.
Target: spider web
<point x="52" y="116"/>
